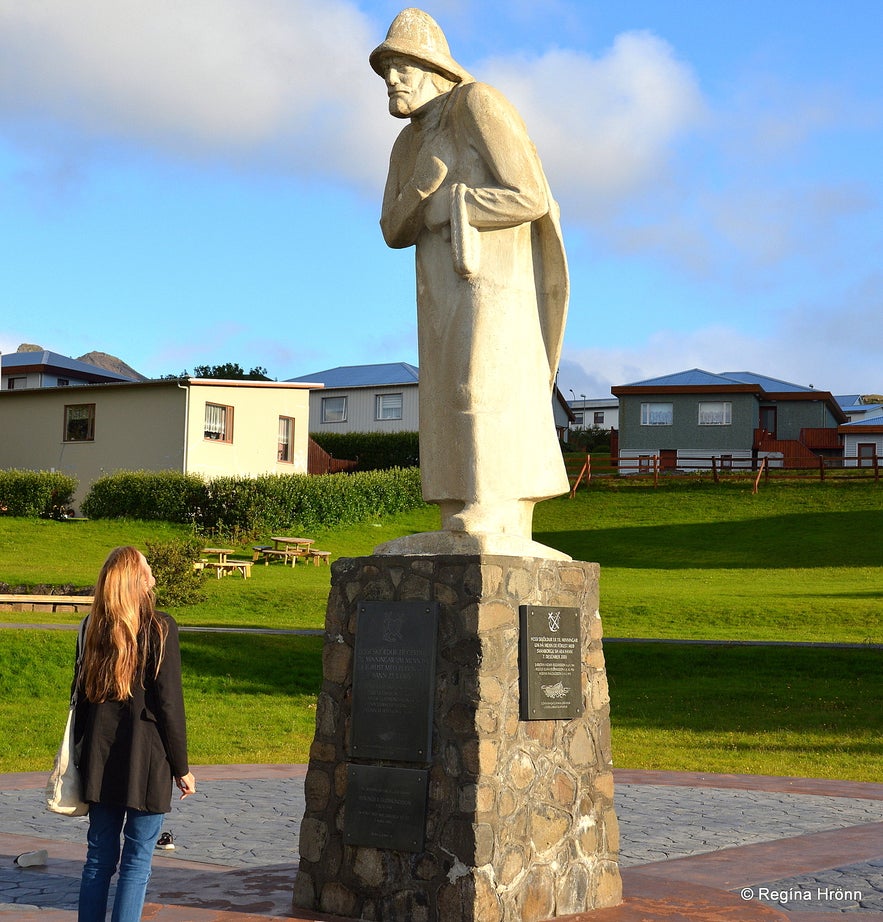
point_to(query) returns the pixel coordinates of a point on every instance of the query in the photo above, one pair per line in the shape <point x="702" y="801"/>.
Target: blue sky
<point x="198" y="183"/>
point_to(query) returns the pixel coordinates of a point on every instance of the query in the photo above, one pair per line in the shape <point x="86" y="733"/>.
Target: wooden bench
<point x="24" y="602"/>
<point x="284" y="554"/>
<point x="319" y="557"/>
<point x="229" y="566"/>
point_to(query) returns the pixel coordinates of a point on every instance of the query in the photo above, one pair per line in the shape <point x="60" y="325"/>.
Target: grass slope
<point x="797" y="561"/>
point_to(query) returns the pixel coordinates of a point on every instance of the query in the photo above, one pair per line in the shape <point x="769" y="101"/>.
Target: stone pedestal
<point x="519" y="822"/>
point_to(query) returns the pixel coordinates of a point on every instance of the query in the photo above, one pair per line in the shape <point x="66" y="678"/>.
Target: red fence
<point x="719" y="466"/>
<point x="320" y="462"/>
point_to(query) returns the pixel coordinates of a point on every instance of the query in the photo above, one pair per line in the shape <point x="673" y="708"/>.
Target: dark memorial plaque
<point x="394" y="681"/>
<point x="551" y="675"/>
<point x="385" y="807"/>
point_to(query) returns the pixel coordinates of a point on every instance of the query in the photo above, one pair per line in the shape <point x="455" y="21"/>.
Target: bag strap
<point x="81" y="644"/>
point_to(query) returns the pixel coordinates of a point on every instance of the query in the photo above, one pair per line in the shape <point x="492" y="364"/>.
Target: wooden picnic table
<point x="219" y="552"/>
<point x="284" y="548"/>
<point x="223" y="565"/>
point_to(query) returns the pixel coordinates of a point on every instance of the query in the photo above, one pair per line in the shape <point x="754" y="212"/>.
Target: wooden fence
<point x="719" y="467"/>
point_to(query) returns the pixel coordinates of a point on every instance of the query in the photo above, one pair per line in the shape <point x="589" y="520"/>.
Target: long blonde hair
<point x="122" y="625"/>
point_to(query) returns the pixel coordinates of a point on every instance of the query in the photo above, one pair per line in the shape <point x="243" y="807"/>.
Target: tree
<point x="231" y="371"/>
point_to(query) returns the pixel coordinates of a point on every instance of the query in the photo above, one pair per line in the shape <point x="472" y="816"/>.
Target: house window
<point x="62" y="382"/>
<point x="16" y="383"/>
<point x="866" y="452"/>
<point x="79" y="422"/>
<point x="599" y="417"/>
<point x="218" y="422"/>
<point x="577" y="418"/>
<point x="286" y="439"/>
<point x="715" y="413"/>
<point x="388" y="406"/>
<point x="334" y="409"/>
<point x="657" y="414"/>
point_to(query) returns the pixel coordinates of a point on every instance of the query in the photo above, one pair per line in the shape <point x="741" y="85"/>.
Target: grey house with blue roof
<point x="694" y="418"/>
<point x="364" y="398"/>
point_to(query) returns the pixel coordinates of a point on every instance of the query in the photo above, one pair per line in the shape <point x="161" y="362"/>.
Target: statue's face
<point x="410" y="86"/>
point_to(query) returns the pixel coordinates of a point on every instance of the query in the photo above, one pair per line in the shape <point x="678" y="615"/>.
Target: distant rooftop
<point x="698" y="377"/>
<point x="52" y="360"/>
<point x="364" y="375"/>
<point x="873" y="421"/>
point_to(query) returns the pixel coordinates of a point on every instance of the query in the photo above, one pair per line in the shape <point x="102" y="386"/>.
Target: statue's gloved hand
<point x="429" y="173"/>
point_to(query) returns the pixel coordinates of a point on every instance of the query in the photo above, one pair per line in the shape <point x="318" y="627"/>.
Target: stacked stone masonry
<point x="520" y="820"/>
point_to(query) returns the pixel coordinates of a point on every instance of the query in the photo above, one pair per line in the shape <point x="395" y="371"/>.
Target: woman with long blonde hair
<point x="131" y="726"/>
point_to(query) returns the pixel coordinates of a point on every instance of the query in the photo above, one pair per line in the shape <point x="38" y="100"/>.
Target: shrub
<point x="167" y="496"/>
<point x="36" y="493"/>
<point x="240" y="508"/>
<point x="177" y="582"/>
<point x="375" y="451"/>
<point x="589" y="440"/>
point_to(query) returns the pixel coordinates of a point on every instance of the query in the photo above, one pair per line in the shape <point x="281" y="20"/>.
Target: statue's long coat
<point x="492" y="292"/>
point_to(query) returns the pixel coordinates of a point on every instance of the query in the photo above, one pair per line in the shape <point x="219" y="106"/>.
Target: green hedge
<point x="375" y="451"/>
<point x="246" y="506"/>
<point x="165" y="496"/>
<point x="36" y="493"/>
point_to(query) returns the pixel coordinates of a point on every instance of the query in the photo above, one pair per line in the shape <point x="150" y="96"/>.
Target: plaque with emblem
<point x="550" y="667"/>
<point x="394" y="681"/>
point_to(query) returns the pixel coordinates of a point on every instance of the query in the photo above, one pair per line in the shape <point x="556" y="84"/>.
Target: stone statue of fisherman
<point x="467" y="189"/>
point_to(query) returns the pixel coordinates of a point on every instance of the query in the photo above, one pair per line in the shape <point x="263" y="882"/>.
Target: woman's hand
<point x="186" y="785"/>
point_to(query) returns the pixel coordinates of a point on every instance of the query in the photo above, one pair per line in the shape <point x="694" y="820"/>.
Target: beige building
<point x="196" y="426"/>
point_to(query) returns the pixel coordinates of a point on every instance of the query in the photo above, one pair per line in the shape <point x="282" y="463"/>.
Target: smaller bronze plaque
<point x="551" y="675"/>
<point x="385" y="807"/>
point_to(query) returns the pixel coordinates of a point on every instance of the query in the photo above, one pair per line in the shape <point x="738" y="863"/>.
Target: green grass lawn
<point x="689" y="560"/>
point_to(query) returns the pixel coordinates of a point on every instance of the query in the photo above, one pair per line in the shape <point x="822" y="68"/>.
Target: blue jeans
<point x="140" y="832"/>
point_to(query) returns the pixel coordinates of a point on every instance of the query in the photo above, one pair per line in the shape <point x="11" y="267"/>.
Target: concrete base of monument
<point x="502" y="817"/>
<point x="448" y="543"/>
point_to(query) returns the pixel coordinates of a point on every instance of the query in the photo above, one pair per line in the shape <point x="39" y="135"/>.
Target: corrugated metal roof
<point x="699" y="377"/>
<point x="849" y="400"/>
<point x="771" y="385"/>
<point x="364" y="375"/>
<point x="55" y="360"/>
<point x="873" y="421"/>
<point x="691" y="377"/>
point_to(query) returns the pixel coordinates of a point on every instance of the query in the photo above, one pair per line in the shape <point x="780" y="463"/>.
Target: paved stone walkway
<point x="745" y="846"/>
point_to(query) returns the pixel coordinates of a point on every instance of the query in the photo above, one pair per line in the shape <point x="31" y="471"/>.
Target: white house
<point x="364" y="398"/>
<point x="191" y="425"/>
<point x="863" y="441"/>
<point x="602" y="412"/>
<point x="856" y="407"/>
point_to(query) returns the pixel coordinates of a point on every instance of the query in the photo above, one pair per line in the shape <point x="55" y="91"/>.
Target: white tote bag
<point x="64" y="790"/>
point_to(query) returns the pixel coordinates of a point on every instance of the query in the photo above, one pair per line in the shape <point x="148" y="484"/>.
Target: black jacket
<point x="132" y="749"/>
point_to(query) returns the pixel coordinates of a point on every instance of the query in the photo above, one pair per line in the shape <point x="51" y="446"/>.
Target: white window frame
<point x="75" y="413"/>
<point x="657" y="414"/>
<point x="285" y="447"/>
<point x="334" y="409"/>
<point x="715" y="413"/>
<point x="218" y="423"/>
<point x="388" y="406"/>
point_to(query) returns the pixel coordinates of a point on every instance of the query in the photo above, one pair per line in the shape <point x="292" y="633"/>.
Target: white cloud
<point x="286" y="80"/>
<point x="606" y="126"/>
<point x="820" y="344"/>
